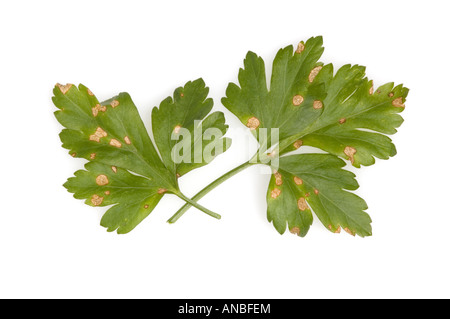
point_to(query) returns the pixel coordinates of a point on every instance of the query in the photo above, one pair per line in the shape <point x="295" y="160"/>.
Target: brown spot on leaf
<point x="301" y="203"/>
<point x="102" y="180"/>
<point x="253" y="123"/>
<point x="107" y="192"/>
<point x="371" y="90"/>
<point x="182" y="94"/>
<point x="92" y="156"/>
<point x="64" y="88"/>
<point x="278" y="178"/>
<point x="96" y="200"/>
<point x="298" y="143"/>
<point x="314" y="73"/>
<point x="307" y="195"/>
<point x="297" y="100"/>
<point x="114" y="169"/>
<point x="162" y="190"/>
<point x="342" y="120"/>
<point x="398" y="102"/>
<point x="295" y="231"/>
<point x="300" y="47"/>
<point x="298" y="180"/>
<point x="73" y="154"/>
<point x="349" y="231"/>
<point x="115" y="143"/>
<point x="146" y="206"/>
<point x="350" y="152"/>
<point x="127" y="140"/>
<point x="391" y="94"/>
<point x="115" y="103"/>
<point x="316" y="191"/>
<point x="317" y="104"/>
<point x="90" y="92"/>
<point x="275" y="193"/>
<point x="98" y="108"/>
<point x="177" y="129"/>
<point x="99" y="133"/>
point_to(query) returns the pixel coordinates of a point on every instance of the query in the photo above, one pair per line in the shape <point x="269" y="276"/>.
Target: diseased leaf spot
<point x="92" y="156"/>
<point x="90" y="92"/>
<point x="316" y="191"/>
<point x="297" y="100"/>
<point x="307" y="195"/>
<point x="349" y="231"/>
<point x="181" y="94"/>
<point x="253" y="123"/>
<point x="295" y="231"/>
<point x="302" y="205"/>
<point x="107" y="192"/>
<point x="278" y="178"/>
<point x="102" y="180"/>
<point x="64" y="88"/>
<point x="398" y="102"/>
<point x="98" y="108"/>
<point x="73" y="154"/>
<point x="275" y="192"/>
<point x="391" y="94"/>
<point x="342" y="120"/>
<point x="337" y="231"/>
<point x="146" y="206"/>
<point x="127" y="140"/>
<point x="115" y="104"/>
<point x="298" y="180"/>
<point x="350" y="152"/>
<point x="114" y="169"/>
<point x="99" y="133"/>
<point x="96" y="200"/>
<point x="371" y="90"/>
<point x="177" y="129"/>
<point x="162" y="190"/>
<point x="298" y="143"/>
<point x="300" y="47"/>
<point x="115" y="143"/>
<point x="314" y="73"/>
<point x="317" y="104"/>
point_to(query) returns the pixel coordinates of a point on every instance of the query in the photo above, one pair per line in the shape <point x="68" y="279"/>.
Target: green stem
<point x="206" y="190"/>
<point x="191" y="202"/>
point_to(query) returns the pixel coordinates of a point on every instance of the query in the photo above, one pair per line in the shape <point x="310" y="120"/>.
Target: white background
<point x="52" y="246"/>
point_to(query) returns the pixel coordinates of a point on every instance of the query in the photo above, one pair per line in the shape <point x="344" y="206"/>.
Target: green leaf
<point x="288" y="105"/>
<point x="183" y="113"/>
<point x="307" y="104"/>
<point x="316" y="181"/>
<point x="353" y="113"/>
<point x="125" y="168"/>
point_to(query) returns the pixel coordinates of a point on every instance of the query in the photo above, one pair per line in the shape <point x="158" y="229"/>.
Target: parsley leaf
<point x="340" y="113"/>
<point x="125" y="168"/>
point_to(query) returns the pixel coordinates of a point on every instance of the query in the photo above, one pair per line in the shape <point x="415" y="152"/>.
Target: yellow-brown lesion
<point x="102" y="180"/>
<point x="98" y="108"/>
<point x="297" y="100"/>
<point x="115" y="143"/>
<point x="313" y="73"/>
<point x="64" y="88"/>
<point x="96" y="200"/>
<point x="275" y="193"/>
<point x="350" y="152"/>
<point x="302" y="205"/>
<point x="99" y="133"/>
<point x="114" y="103"/>
<point x="253" y="123"/>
